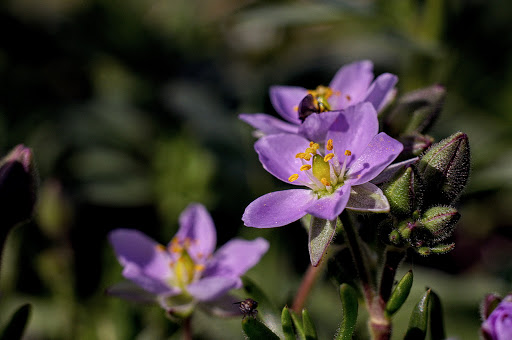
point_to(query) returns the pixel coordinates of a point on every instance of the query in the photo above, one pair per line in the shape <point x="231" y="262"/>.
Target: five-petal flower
<point x="335" y="179"/>
<point x="352" y="84"/>
<point x="186" y="271"/>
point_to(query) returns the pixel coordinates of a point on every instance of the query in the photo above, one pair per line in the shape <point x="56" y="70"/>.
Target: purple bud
<point x="490" y="302"/>
<point x="18" y="183"/>
<point x="498" y="326"/>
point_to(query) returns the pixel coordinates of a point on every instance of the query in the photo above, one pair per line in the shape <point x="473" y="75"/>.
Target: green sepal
<point x="286" y="322"/>
<point x="418" y="322"/>
<point x="436" y="318"/>
<point x="267" y="312"/>
<point x="349" y="309"/>
<point x="299" y="327"/>
<point x="321" y="233"/>
<point x="16" y="326"/>
<point x="256" y="330"/>
<point x="400" y="294"/>
<point x="440" y="221"/>
<point x="445" y="169"/>
<point x="403" y="191"/>
<point x="309" y="326"/>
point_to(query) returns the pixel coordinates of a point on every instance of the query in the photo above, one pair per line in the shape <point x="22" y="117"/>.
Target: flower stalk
<point x="378" y="323"/>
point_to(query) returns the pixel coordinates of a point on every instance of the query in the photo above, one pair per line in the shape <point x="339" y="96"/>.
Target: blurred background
<point x="131" y="110"/>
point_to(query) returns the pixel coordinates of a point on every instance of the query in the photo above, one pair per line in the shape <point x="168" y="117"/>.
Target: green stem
<point x="379" y="324"/>
<point x="393" y="258"/>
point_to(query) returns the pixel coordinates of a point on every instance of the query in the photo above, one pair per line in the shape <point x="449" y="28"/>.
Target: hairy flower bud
<point x="18" y="183"/>
<point x="416" y="111"/>
<point x="445" y="169"/>
<point x="403" y="191"/>
<point x="440" y="221"/>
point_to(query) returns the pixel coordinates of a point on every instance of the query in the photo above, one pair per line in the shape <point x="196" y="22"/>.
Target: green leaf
<point x="267" y="312"/>
<point x="299" y="328"/>
<point x="309" y="326"/>
<point x="321" y="233"/>
<point x="419" y="318"/>
<point x="16" y="327"/>
<point x="286" y="322"/>
<point x="400" y="294"/>
<point x="436" y="318"/>
<point x="256" y="330"/>
<point x="349" y="309"/>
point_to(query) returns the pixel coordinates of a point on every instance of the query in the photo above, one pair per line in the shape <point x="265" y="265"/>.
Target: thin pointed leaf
<point x="400" y="294"/>
<point x="419" y="319"/>
<point x="267" y="312"/>
<point x="309" y="326"/>
<point x="436" y="318"/>
<point x="286" y="322"/>
<point x="299" y="328"/>
<point x="349" y="309"/>
<point x="256" y="330"/>
<point x="321" y="233"/>
<point x="16" y="327"/>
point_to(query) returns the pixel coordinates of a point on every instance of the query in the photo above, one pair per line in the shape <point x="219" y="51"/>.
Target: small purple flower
<point x="352" y="84"/>
<point x="335" y="179"/>
<point x="186" y="271"/>
<point x="498" y="326"/>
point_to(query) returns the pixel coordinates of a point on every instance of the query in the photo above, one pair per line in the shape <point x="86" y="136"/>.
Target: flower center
<point x="316" y="101"/>
<point x="326" y="173"/>
<point x="183" y="266"/>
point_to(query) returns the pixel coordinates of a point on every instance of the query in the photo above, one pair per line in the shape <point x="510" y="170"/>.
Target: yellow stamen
<point x="199" y="267"/>
<point x="293" y="177"/>
<point x="330" y="146"/>
<point x="311" y="144"/>
<point x="296" y="108"/>
<point x="328" y="157"/>
<point x="307" y="157"/>
<point x="348" y="153"/>
<point x="305" y="167"/>
<point x="325" y="182"/>
<point x="160" y="247"/>
<point x="300" y="155"/>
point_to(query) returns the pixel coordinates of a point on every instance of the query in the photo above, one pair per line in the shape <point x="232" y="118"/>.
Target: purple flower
<point x="335" y="178"/>
<point x="498" y="326"/>
<point x="186" y="271"/>
<point x="352" y="84"/>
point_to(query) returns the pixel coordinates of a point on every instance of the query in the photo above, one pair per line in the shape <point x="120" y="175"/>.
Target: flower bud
<point x="18" y="183"/>
<point x="403" y="191"/>
<point x="489" y="303"/>
<point x="445" y="169"/>
<point x="497" y="324"/>
<point x="440" y="221"/>
<point x="415" y="144"/>
<point x="416" y="111"/>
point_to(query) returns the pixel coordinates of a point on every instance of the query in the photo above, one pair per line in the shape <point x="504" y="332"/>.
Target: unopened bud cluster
<point x="420" y="196"/>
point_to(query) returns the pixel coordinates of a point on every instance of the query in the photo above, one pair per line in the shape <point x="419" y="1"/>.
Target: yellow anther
<point x="296" y="108"/>
<point x="325" y="182"/>
<point x="160" y="247"/>
<point x="300" y="155"/>
<point x="330" y="146"/>
<point x="328" y="157"/>
<point x="315" y="146"/>
<point x="199" y="267"/>
<point x="310" y="150"/>
<point x="307" y="157"/>
<point x="293" y="177"/>
<point x="311" y="144"/>
<point x="305" y="167"/>
<point x="348" y="153"/>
